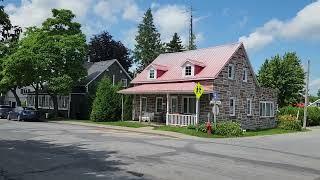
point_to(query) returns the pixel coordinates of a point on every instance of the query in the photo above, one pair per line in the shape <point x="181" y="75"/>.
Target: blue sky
<point x="266" y="27"/>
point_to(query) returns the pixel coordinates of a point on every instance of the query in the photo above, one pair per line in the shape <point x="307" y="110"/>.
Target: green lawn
<point x="193" y="132"/>
<point x="115" y="123"/>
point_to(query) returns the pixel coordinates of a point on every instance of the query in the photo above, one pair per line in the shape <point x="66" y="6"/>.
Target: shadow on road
<point x="24" y="160"/>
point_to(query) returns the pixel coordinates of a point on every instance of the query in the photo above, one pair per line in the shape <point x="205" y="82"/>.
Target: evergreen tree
<point x="175" y="45"/>
<point x="286" y="75"/>
<point x="107" y="103"/>
<point x="148" y="45"/>
<point x="192" y="45"/>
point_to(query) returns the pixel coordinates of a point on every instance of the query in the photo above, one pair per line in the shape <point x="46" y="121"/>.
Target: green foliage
<point x="228" y="129"/>
<point x="318" y="93"/>
<point x="313" y="98"/>
<point x="313" y="118"/>
<point x="175" y="45"/>
<point x="286" y="75"/>
<point x="289" y="122"/>
<point x="127" y="114"/>
<point x="148" y="45"/>
<point x="191" y="127"/>
<point x="107" y="103"/>
<point x="192" y="45"/>
<point x="201" y="128"/>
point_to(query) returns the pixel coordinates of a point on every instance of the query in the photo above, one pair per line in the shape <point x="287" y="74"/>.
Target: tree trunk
<point x="55" y="105"/>
<point x="14" y="92"/>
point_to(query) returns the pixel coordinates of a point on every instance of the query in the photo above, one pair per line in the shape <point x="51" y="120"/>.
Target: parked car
<point x="4" y="110"/>
<point x="23" y="114"/>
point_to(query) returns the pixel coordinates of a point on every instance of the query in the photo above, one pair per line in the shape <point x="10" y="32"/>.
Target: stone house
<point x="77" y="104"/>
<point x="164" y="89"/>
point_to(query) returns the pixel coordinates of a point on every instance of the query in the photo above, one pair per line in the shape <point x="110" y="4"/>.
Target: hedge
<point x="313" y="114"/>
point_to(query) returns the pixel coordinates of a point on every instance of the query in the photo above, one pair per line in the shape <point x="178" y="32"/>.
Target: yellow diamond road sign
<point x="198" y="90"/>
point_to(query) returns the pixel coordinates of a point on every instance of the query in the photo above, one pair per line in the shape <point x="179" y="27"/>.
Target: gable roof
<point x="213" y="58"/>
<point x="95" y="69"/>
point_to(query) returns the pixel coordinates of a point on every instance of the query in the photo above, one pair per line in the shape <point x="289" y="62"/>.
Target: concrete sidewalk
<point x="144" y="130"/>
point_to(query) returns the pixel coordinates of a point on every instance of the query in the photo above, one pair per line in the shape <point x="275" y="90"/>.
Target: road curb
<point x="128" y="129"/>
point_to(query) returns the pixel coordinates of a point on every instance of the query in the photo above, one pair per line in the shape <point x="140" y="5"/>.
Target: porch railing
<point x="181" y="119"/>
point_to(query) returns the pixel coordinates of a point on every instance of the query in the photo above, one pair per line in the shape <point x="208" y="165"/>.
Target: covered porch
<point x="169" y="103"/>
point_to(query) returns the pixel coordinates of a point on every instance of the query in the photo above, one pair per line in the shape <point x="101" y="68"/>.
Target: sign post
<point x="198" y="91"/>
<point x="215" y="109"/>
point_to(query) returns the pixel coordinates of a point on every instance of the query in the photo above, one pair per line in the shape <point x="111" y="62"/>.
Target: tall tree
<point x="148" y="45"/>
<point x="102" y="47"/>
<point x="175" y="45"/>
<point x="9" y="36"/>
<point x="192" y="44"/>
<point x="286" y="75"/>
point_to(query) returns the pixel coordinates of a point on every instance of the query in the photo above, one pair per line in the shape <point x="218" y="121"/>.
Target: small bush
<point x="313" y="114"/>
<point x="289" y="122"/>
<point x="228" y="128"/>
<point x="202" y="128"/>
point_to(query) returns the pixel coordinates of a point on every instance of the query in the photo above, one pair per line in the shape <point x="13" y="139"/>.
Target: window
<point x="159" y="105"/>
<point x="124" y="82"/>
<point x="152" y="74"/>
<point x="232" y="106"/>
<point x="187" y="71"/>
<point x="189" y="105"/>
<point x="231" y="71"/>
<point x="249" y="107"/>
<point x="143" y="104"/>
<point x="245" y="75"/>
<point x="266" y="109"/>
<point x="174" y="104"/>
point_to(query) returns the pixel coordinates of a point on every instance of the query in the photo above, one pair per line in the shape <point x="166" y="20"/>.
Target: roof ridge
<point x="204" y="48"/>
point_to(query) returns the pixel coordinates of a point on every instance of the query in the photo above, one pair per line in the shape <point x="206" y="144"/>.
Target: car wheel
<point x="19" y="118"/>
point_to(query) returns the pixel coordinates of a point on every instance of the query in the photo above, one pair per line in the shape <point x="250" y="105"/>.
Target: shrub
<point x="202" y="128"/>
<point x="289" y="122"/>
<point x="313" y="114"/>
<point x="228" y="128"/>
<point x="107" y="103"/>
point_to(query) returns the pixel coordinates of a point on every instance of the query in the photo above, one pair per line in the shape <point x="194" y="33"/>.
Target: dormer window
<point x="152" y="74"/>
<point x="188" y="70"/>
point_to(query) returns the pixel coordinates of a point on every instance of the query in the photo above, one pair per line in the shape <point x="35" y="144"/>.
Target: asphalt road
<point x="38" y="151"/>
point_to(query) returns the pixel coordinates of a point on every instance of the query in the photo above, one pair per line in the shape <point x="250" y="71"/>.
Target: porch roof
<point x="164" y="88"/>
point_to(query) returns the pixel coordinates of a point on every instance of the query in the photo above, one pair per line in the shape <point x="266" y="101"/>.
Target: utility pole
<point x="191" y="44"/>
<point x="306" y="98"/>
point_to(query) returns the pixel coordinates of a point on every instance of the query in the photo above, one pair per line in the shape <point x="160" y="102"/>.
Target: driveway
<point x="37" y="151"/>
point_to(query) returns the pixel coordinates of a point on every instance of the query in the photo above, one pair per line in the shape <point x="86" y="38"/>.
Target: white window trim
<point x="234" y="106"/>
<point x="245" y="74"/>
<point x="154" y="74"/>
<point x="271" y="110"/>
<point x="232" y="73"/>
<point x="184" y="70"/>
<point x="188" y="105"/>
<point x="176" y="98"/>
<point x="124" y="84"/>
<point x="249" y="101"/>
<point x="157" y="98"/>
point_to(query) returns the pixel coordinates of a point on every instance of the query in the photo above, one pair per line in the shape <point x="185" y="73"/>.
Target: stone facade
<point x="226" y="88"/>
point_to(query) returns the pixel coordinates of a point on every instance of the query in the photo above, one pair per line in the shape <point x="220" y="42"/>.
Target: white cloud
<point x="305" y="25"/>
<point x="110" y="10"/>
<point x="34" y="12"/>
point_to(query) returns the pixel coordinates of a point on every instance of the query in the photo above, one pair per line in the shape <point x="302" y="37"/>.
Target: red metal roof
<point x="213" y="59"/>
<point x="163" y="88"/>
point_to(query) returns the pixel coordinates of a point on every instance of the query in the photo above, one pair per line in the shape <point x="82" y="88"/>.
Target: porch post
<point x="140" y="113"/>
<point x="167" y="116"/>
<point x="197" y="110"/>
